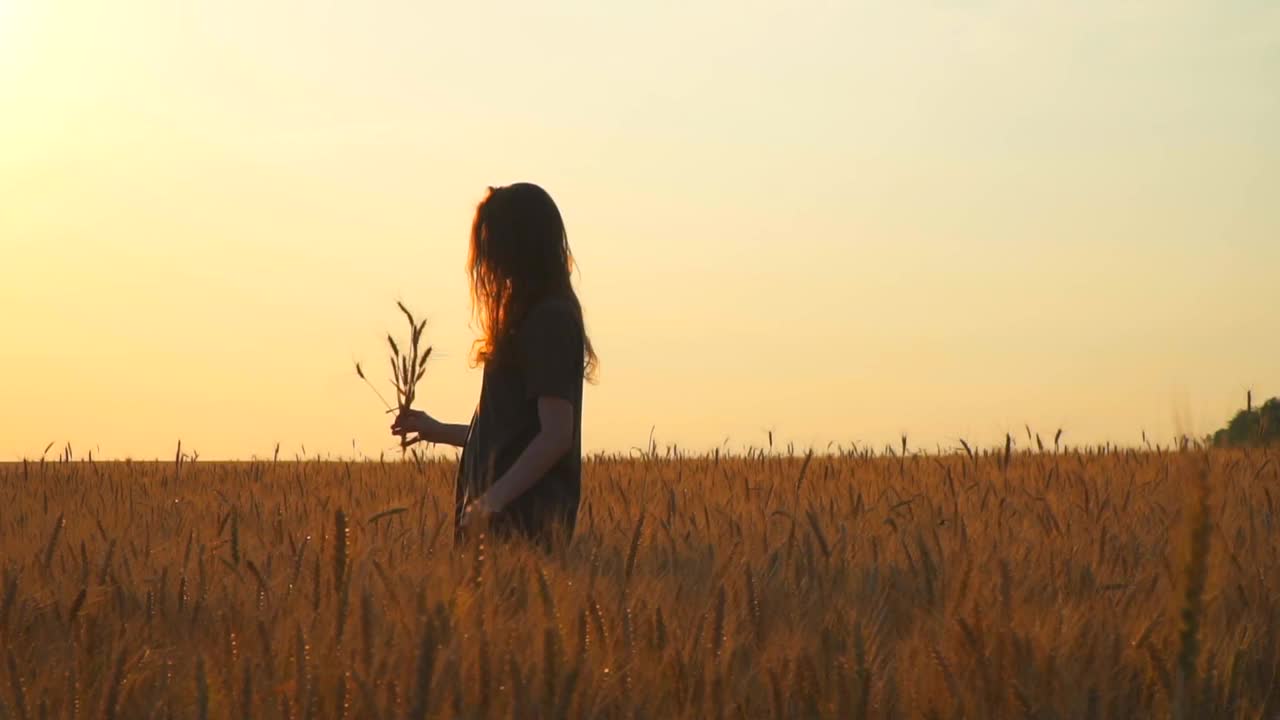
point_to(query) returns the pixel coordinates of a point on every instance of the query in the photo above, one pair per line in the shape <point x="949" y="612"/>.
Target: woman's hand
<point x="426" y="428"/>
<point x="477" y="514"/>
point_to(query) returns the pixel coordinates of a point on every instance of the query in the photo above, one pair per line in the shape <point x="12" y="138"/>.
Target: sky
<point x="834" y="221"/>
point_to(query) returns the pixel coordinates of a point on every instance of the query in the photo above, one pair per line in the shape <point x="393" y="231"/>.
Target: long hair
<point x="519" y="256"/>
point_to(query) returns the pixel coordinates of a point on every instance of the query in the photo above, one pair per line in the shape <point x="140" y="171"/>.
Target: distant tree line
<point x="1252" y="426"/>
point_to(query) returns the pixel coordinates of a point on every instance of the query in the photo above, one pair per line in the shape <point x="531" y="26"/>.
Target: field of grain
<point x="1051" y="585"/>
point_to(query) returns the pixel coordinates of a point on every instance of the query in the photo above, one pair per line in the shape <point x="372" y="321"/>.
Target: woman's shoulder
<point x="553" y="309"/>
<point x="552" y="322"/>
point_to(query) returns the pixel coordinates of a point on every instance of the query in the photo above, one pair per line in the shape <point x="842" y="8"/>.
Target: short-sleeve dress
<point x="544" y="358"/>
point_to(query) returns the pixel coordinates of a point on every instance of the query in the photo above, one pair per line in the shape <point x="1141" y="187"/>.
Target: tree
<point x="1252" y="427"/>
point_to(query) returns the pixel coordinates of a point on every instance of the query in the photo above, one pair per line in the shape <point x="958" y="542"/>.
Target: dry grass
<point x="1045" y="585"/>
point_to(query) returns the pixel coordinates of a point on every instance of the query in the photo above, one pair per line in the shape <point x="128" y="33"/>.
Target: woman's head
<point x="519" y="255"/>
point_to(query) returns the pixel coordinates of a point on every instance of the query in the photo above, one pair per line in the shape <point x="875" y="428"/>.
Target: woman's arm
<point x="448" y="434"/>
<point x="554" y="439"/>
<point x="429" y="429"/>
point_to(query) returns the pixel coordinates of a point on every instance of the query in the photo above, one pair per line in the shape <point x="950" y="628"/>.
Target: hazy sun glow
<point x="841" y="221"/>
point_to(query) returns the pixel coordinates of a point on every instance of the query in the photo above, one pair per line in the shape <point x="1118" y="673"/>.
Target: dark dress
<point x="543" y="358"/>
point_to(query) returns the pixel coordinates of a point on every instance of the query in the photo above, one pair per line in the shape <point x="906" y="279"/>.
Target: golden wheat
<point x="985" y="583"/>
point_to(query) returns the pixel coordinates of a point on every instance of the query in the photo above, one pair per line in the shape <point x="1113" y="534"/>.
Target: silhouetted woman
<point x="522" y="453"/>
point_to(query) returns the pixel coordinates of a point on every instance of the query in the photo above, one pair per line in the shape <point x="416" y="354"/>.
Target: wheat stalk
<point x="407" y="368"/>
<point x="1195" y="574"/>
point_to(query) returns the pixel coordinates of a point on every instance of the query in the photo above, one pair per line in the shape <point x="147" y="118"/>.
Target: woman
<point x="521" y="463"/>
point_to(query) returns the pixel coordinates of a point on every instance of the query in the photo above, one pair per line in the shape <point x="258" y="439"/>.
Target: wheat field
<point x="1072" y="584"/>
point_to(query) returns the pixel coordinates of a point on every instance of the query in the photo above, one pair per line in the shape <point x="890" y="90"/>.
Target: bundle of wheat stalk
<point x="407" y="368"/>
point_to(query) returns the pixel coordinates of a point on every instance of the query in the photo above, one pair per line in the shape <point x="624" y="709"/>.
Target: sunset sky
<point x="839" y="221"/>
